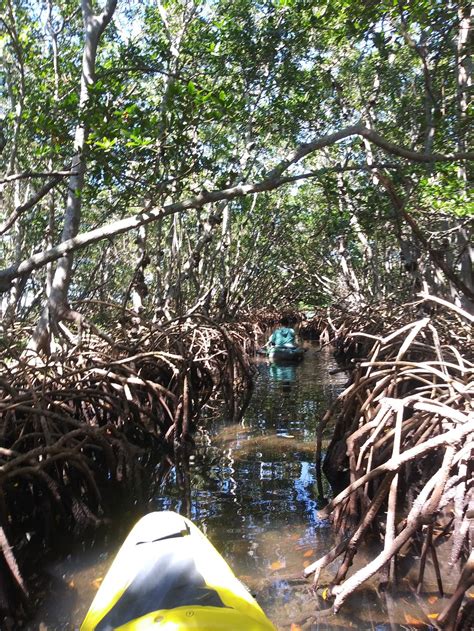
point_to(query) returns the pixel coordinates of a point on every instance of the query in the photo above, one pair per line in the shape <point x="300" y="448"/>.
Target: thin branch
<point x="449" y="305"/>
<point x="19" y="210"/>
<point x="33" y="174"/>
<point x="371" y="135"/>
<point x="271" y="182"/>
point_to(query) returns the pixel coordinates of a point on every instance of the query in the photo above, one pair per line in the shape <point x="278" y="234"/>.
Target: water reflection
<point x="253" y="484"/>
<point x="283" y="373"/>
<point x="251" y="489"/>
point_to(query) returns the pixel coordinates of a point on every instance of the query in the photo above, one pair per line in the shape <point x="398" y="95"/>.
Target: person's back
<point x="284" y="335"/>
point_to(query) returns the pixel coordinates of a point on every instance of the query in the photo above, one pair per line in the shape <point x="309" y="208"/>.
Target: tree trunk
<point x="463" y="80"/>
<point x="49" y="236"/>
<point x="57" y="307"/>
<point x="17" y="102"/>
<point x="464" y="85"/>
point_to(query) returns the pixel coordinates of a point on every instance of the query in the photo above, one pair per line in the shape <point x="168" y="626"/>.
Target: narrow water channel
<point x="253" y="493"/>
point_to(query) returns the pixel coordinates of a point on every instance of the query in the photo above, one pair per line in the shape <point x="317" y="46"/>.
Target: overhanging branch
<point x="273" y="180"/>
<point x="32" y="174"/>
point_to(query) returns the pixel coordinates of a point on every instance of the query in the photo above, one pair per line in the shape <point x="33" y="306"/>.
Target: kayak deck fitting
<point x="167" y="575"/>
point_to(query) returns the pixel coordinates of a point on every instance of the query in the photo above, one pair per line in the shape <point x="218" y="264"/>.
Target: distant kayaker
<point x="284" y="336"/>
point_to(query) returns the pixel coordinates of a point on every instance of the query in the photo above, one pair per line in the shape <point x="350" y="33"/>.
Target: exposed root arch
<point x="404" y="429"/>
<point x="82" y="428"/>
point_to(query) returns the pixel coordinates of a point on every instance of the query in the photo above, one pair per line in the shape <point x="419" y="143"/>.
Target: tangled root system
<point x="404" y="431"/>
<point x="81" y="428"/>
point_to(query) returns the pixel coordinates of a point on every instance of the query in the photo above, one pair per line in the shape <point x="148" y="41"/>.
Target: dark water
<point x="253" y="493"/>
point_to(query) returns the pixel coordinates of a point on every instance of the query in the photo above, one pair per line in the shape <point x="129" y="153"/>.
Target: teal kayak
<point x="282" y="353"/>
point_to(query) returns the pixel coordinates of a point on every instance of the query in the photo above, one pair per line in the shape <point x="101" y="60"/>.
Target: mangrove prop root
<point x="80" y="427"/>
<point x="447" y="618"/>
<point x="404" y="429"/>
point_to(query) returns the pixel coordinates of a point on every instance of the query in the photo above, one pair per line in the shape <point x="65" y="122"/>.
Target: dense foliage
<point x="190" y="96"/>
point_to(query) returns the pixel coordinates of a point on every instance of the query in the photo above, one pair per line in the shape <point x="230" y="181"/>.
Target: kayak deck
<point x="167" y="575"/>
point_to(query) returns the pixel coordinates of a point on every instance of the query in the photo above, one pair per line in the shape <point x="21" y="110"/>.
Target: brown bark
<point x="447" y="618"/>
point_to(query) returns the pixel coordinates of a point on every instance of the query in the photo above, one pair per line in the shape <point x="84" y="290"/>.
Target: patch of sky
<point x="129" y="19"/>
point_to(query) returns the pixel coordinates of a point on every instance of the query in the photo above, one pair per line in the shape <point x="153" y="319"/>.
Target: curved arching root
<point x="404" y="429"/>
<point x="82" y="430"/>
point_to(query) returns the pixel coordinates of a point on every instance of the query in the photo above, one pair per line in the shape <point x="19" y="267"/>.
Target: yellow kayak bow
<point x="168" y="576"/>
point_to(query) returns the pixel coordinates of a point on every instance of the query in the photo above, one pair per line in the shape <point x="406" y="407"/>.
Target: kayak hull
<point x="168" y="576"/>
<point x="286" y="354"/>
